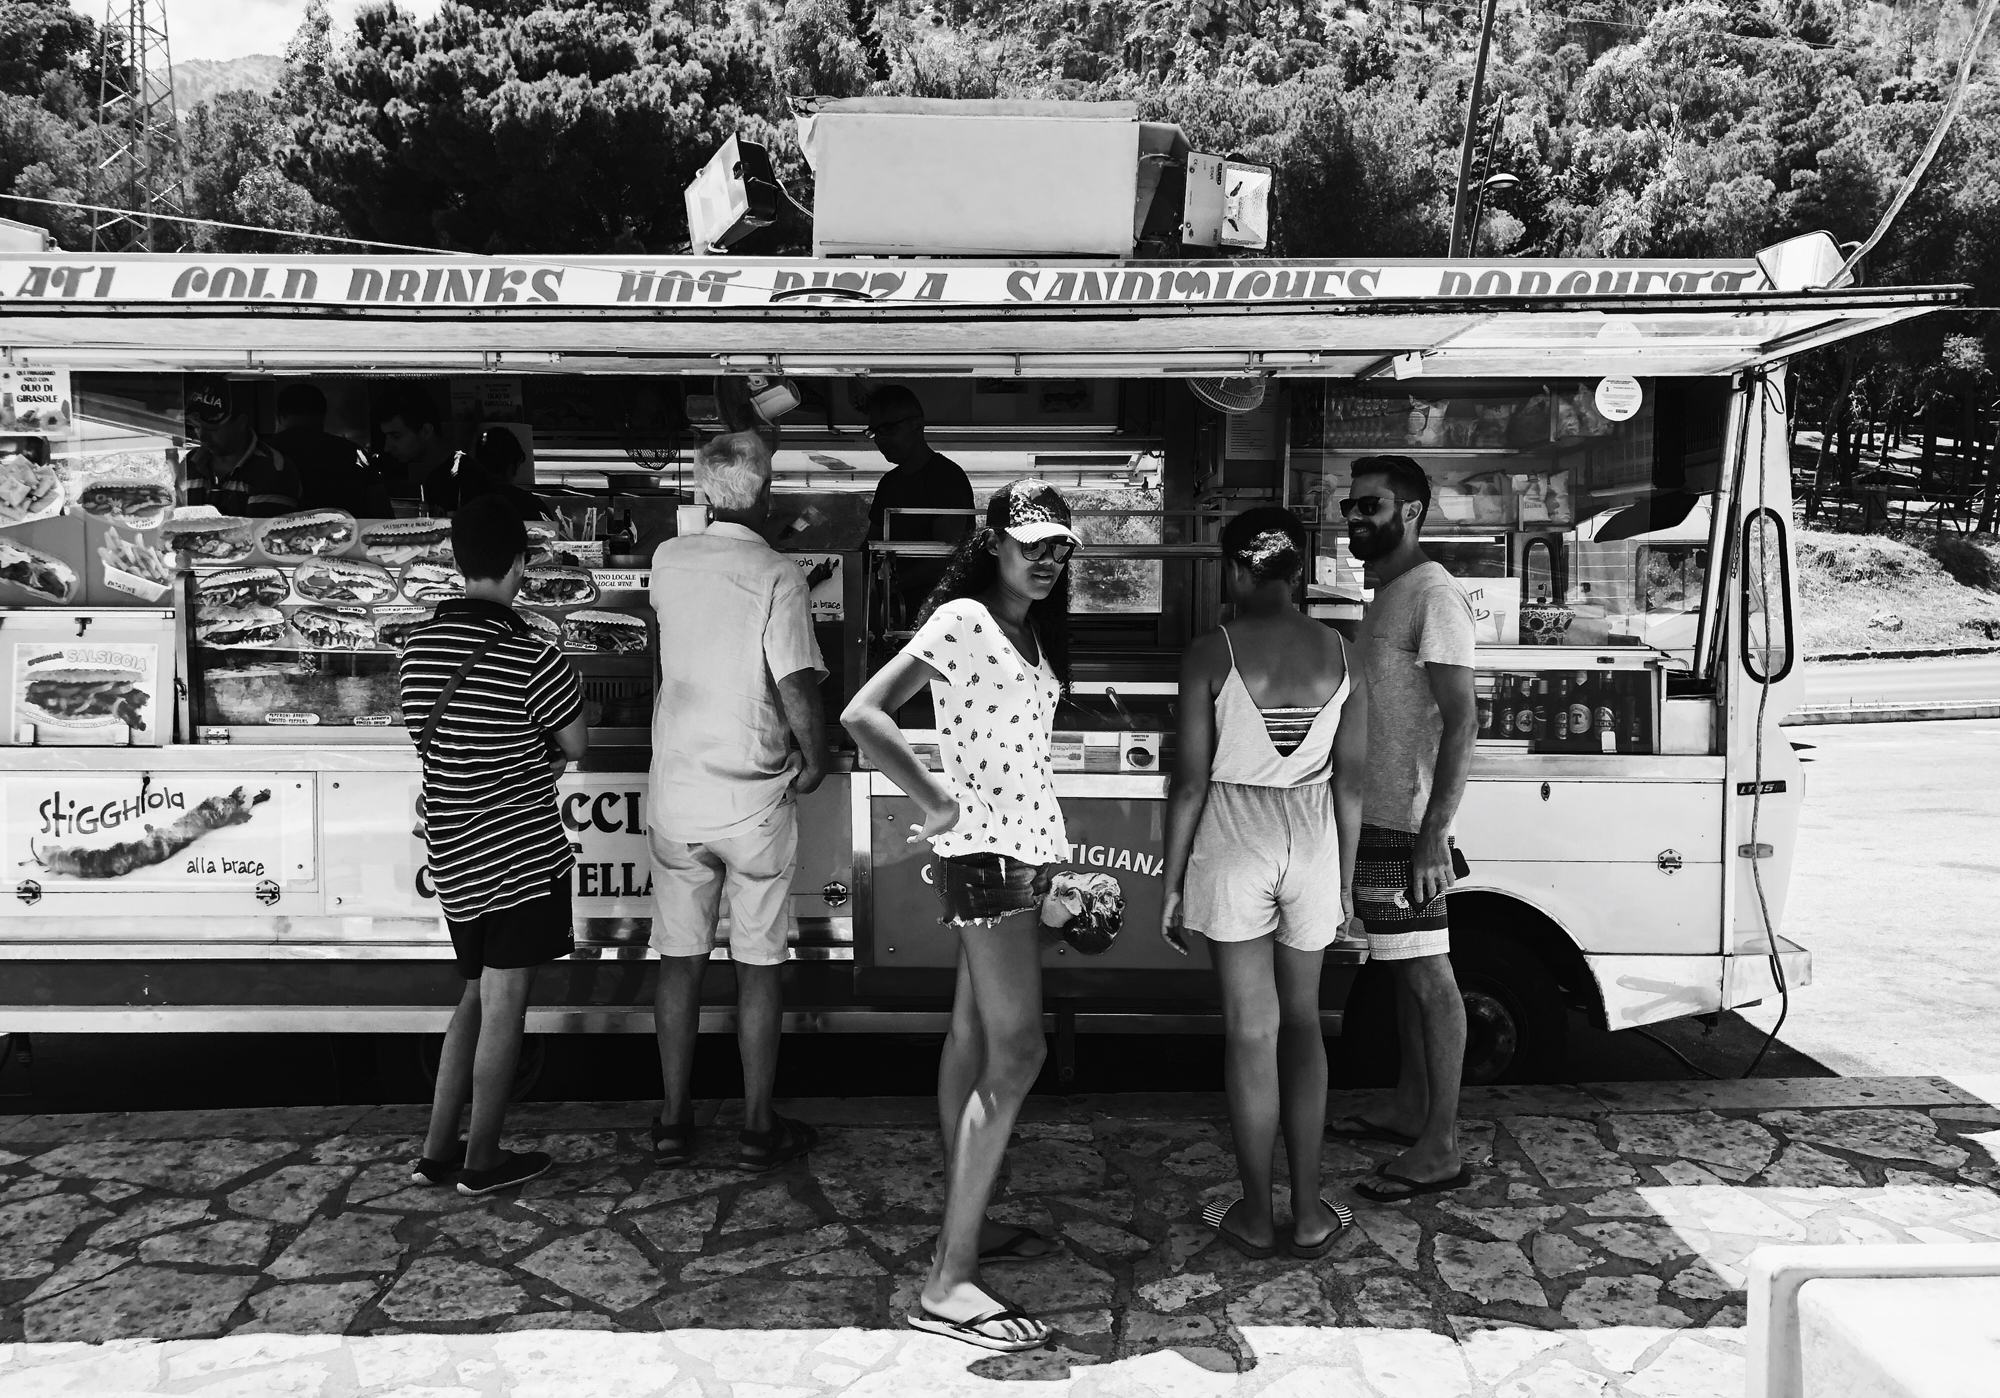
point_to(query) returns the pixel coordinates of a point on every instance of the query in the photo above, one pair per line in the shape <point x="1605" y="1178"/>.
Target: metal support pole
<point x="1471" y="129"/>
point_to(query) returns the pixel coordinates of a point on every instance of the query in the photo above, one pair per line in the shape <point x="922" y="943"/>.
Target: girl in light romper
<point x="1261" y="832"/>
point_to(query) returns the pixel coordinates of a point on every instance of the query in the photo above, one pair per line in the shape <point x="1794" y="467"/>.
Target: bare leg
<point x="1409" y="1102"/>
<point x="1441" y="1011"/>
<point x="962" y="1061"/>
<point x="1302" y="1086"/>
<point x="503" y="1006"/>
<point x="454" y="1077"/>
<point x="676" y="1022"/>
<point x="959" y="1067"/>
<point x="1004" y="969"/>
<point x="759" y="1017"/>
<point x="1250" y="1074"/>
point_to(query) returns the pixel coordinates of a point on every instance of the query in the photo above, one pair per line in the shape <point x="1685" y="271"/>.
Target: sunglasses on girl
<point x="1055" y="551"/>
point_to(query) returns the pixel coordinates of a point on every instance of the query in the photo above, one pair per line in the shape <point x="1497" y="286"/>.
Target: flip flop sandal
<point x="971" y="1331"/>
<point x="1213" y="1216"/>
<point x="1411" y="1188"/>
<point x="1360" y="1128"/>
<point x="1343" y="1219"/>
<point x="1009" y="1249"/>
<point x="787" y="1140"/>
<point x="673" y="1146"/>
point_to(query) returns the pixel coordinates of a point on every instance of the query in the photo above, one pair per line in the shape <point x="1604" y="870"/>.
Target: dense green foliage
<point x="1634" y="127"/>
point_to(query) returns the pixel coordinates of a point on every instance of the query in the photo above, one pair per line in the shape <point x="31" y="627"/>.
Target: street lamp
<point x="1495" y="183"/>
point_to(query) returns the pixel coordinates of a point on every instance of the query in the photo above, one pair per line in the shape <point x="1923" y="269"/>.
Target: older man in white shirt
<point x="738" y="735"/>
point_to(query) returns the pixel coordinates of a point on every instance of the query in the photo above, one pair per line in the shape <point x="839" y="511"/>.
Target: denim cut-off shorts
<point x="979" y="889"/>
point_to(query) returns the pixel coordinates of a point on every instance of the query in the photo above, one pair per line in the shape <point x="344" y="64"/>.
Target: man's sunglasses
<point x="875" y="430"/>
<point x="1367" y="504"/>
<point x="1055" y="551"/>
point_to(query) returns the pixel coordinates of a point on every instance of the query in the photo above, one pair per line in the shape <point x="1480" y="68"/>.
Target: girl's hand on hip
<point x="937" y="820"/>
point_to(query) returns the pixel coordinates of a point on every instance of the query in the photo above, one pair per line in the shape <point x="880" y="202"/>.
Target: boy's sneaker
<point x="429" y="1171"/>
<point x="515" y="1167"/>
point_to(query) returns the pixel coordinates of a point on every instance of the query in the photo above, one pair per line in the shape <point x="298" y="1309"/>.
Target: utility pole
<point x="139" y="166"/>
<point x="1471" y="129"/>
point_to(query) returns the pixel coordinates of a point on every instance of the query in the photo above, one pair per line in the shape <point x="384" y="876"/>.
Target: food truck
<point x="207" y="786"/>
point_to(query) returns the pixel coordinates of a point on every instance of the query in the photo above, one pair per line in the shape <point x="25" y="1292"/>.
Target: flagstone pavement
<point x="1599" y="1252"/>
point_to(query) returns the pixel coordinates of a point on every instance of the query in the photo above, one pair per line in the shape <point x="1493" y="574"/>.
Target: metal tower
<point x="139" y="166"/>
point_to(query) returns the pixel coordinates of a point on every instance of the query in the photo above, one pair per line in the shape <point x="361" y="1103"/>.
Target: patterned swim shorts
<point x="1382" y="875"/>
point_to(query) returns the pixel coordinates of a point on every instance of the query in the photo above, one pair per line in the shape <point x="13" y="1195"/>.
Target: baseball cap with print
<point x="1030" y="510"/>
<point x="210" y="399"/>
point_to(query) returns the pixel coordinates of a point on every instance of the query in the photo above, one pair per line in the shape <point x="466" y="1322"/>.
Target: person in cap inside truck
<point x="232" y="468"/>
<point x="920" y="479"/>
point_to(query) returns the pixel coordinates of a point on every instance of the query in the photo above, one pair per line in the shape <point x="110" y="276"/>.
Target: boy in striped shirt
<point x="499" y="857"/>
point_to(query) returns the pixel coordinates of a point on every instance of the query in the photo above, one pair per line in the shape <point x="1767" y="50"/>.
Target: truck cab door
<point x="1762" y="683"/>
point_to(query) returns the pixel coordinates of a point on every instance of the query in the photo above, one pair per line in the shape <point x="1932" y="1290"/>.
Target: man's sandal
<point x="974" y="1332"/>
<point x="673" y="1146"/>
<point x="787" y="1140"/>
<point x="1407" y="1187"/>
<point x="1214" y="1215"/>
<point x="1343" y="1219"/>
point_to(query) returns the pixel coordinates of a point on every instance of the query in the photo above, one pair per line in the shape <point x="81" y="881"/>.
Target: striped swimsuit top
<point x="1275" y="746"/>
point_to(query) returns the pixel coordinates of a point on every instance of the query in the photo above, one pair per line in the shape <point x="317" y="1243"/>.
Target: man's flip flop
<point x="1213" y="1216"/>
<point x="1343" y="1219"/>
<point x="1360" y="1128"/>
<point x="1411" y="1188"/>
<point x="973" y="1331"/>
<point x="1009" y="1248"/>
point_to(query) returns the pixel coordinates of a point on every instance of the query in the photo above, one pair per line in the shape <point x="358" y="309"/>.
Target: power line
<point x="238" y="227"/>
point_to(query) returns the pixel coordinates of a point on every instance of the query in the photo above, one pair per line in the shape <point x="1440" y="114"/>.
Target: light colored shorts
<point x="1382" y="874"/>
<point x="754" y="869"/>
<point x="1266" y="859"/>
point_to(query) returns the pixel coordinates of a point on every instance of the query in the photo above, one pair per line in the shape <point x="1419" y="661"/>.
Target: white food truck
<point x="206" y="825"/>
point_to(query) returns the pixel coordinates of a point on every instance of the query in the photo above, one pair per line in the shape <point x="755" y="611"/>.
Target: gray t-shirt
<point x="1419" y="618"/>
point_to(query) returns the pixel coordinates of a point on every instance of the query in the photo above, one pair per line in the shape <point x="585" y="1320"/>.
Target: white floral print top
<point x="994" y="717"/>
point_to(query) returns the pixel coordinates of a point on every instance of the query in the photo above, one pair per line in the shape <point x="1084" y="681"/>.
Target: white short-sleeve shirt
<point x="994" y="716"/>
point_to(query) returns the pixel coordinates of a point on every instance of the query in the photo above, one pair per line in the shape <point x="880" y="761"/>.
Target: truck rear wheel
<point x="1516" y="1020"/>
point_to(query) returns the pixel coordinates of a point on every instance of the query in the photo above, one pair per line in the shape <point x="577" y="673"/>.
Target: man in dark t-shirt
<point x="334" y="473"/>
<point x="921" y="479"/>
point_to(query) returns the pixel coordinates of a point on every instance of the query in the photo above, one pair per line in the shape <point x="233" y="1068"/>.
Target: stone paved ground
<point x="1600" y="1252"/>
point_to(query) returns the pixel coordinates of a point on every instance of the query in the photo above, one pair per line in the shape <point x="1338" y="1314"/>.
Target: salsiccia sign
<point x="170" y="832"/>
<point x="471" y="283"/>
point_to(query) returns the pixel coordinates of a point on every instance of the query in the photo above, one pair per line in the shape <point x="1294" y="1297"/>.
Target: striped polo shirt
<point x="496" y="840"/>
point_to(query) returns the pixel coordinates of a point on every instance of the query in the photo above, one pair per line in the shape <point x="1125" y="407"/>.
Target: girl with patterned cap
<point x="1262" y="825"/>
<point x="992" y="642"/>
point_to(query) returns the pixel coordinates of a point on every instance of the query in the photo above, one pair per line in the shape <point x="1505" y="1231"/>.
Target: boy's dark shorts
<point x="529" y="934"/>
<point x="980" y="889"/>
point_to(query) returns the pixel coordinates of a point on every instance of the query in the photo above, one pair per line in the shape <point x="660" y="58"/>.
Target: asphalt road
<point x="1897" y="895"/>
<point x="1958" y="678"/>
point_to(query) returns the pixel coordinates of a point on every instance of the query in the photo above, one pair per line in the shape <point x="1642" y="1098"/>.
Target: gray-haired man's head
<point x="733" y="474"/>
